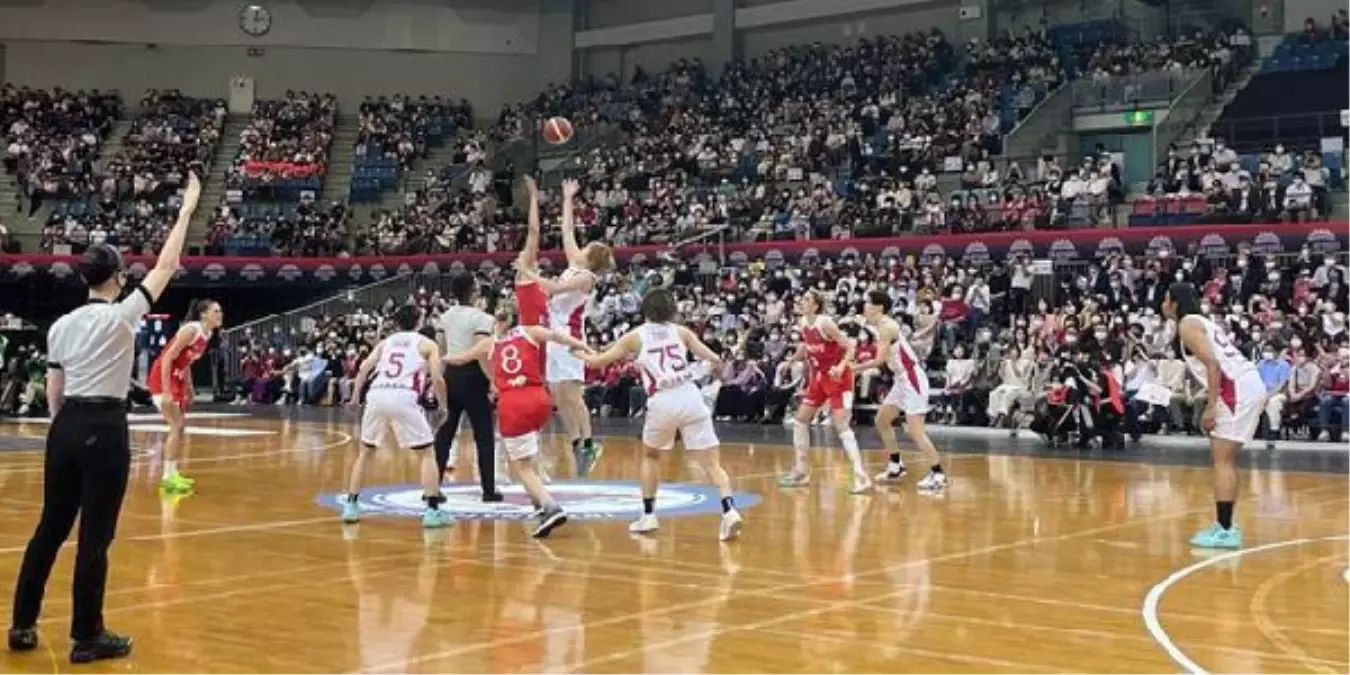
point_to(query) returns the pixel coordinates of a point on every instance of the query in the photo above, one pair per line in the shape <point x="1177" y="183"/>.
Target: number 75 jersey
<point x="517" y="361"/>
<point x="664" y="360"/>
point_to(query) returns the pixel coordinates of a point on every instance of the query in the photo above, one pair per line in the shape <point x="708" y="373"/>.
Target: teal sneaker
<point x="1217" y="537"/>
<point x="433" y="518"/>
<point x="351" y="512"/>
<point x="588" y="458"/>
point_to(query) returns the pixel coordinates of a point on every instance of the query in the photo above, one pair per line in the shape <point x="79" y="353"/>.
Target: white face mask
<point x="1269" y="356"/>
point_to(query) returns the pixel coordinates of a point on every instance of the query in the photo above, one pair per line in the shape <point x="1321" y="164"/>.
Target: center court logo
<point x="590" y="500"/>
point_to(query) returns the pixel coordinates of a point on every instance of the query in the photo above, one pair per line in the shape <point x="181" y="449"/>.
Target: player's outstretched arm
<point x="570" y="188"/>
<point x="529" y="256"/>
<point x="699" y="349"/>
<point x="624" y="347"/>
<point x="479" y="351"/>
<point x="541" y="335"/>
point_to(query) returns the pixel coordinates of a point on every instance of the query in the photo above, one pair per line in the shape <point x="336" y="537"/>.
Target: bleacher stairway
<point x="213" y="191"/>
<point x="337" y="183"/>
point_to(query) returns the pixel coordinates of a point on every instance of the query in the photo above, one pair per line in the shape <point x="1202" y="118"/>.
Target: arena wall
<point x="483" y="50"/>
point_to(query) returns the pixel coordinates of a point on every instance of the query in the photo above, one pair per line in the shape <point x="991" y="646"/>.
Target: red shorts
<point x="822" y="389"/>
<point x="523" y="411"/>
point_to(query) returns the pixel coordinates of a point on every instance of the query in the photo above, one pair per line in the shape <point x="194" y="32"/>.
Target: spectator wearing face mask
<point x="1275" y="372"/>
<point x="1333" y="411"/>
<point x="1300" y="404"/>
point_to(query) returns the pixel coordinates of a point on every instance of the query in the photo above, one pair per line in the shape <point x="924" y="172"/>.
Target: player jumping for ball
<point x="567" y="299"/>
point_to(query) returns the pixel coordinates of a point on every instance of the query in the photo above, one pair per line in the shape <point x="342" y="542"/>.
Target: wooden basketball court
<point x="1026" y="565"/>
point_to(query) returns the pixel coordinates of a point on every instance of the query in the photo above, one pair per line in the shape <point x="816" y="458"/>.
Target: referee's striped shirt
<point x="95" y="345"/>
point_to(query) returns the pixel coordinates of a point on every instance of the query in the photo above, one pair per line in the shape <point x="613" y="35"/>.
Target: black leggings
<point x="469" y="393"/>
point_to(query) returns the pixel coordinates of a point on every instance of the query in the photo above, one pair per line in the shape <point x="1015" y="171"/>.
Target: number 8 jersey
<point x="517" y="361"/>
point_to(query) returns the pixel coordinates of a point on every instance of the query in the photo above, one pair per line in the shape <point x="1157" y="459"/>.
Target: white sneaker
<point x="861" y="485"/>
<point x="933" y="481"/>
<point x="893" y="473"/>
<point x="731" y="525"/>
<point x="794" y="479"/>
<point x="644" y="524"/>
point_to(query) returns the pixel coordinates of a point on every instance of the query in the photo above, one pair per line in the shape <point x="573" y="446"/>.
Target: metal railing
<point x="1297" y="132"/>
<point x="292" y="323"/>
<point x="1131" y="92"/>
<point x="1181" y="115"/>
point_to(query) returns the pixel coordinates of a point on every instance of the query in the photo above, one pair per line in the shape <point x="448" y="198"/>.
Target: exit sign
<point x="1139" y="118"/>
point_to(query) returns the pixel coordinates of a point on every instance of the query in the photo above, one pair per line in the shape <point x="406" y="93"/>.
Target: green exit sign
<point x="1139" y="118"/>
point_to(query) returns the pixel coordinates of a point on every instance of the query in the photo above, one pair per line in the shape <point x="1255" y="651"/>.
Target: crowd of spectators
<point x="1089" y="361"/>
<point x="397" y="126"/>
<point x="51" y="140"/>
<point x="1281" y="186"/>
<point x="285" y="145"/>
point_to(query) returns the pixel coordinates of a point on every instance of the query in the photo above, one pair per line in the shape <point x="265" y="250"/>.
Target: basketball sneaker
<point x="588" y="456"/>
<point x="893" y="473"/>
<point x="351" y="512"/>
<point x="861" y="485"/>
<point x="1215" y="536"/>
<point x="731" y="525"/>
<point x="794" y="479"/>
<point x="433" y="518"/>
<point x="549" y="519"/>
<point x="933" y="482"/>
<point x="176" y="483"/>
<point x="644" y="524"/>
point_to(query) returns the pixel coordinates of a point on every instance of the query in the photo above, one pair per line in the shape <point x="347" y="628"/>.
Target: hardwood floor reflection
<point x="1025" y="565"/>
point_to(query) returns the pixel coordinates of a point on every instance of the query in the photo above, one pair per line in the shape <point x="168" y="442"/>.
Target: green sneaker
<point x="588" y="458"/>
<point x="175" y="484"/>
<point x="434" y="518"/>
<point x="794" y="479"/>
<point x="1215" y="536"/>
<point x="351" y="512"/>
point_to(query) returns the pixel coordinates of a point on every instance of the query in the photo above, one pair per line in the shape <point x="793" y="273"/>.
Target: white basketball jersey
<point x="1232" y="363"/>
<point x="902" y="356"/>
<point x="567" y="311"/>
<point x="401" y="365"/>
<point x="664" y="360"/>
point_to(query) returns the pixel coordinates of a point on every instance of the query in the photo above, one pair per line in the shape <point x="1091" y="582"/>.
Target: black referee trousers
<point x="469" y="393"/>
<point x="85" y="473"/>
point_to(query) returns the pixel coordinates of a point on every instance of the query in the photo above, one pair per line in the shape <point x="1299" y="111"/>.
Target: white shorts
<point x="905" y="395"/>
<point x="397" y="413"/>
<point x="520" y="447"/>
<point x="1237" y="416"/>
<point x="680" y="411"/>
<point x="562" y="365"/>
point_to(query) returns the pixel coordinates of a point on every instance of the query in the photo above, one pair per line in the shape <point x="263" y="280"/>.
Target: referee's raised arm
<point x="88" y="460"/>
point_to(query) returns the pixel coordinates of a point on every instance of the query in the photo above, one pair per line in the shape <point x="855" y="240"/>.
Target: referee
<point x="462" y="326"/>
<point x="90" y="355"/>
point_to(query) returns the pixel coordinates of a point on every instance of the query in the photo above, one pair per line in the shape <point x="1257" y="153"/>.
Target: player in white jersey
<point x="567" y="299"/>
<point x="1235" y="397"/>
<point x="674" y="404"/>
<point x="909" y="394"/>
<point x="402" y="366"/>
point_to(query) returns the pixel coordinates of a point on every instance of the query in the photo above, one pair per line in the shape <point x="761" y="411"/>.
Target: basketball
<point x="557" y="130"/>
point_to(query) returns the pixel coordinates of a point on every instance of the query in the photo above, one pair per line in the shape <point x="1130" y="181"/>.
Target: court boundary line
<point x="1149" y="609"/>
<point x="1274" y="633"/>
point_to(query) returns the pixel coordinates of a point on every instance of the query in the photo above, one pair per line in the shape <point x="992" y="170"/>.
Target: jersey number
<point x="671" y="353"/>
<point x="394" y="369"/>
<point x="510" y="360"/>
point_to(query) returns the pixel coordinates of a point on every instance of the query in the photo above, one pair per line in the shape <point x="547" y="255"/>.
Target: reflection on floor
<point x="1030" y="562"/>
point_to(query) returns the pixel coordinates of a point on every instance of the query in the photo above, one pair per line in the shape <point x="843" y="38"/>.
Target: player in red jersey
<point x="170" y="384"/>
<point x="531" y="301"/>
<point x="829" y="356"/>
<point x="515" y="363"/>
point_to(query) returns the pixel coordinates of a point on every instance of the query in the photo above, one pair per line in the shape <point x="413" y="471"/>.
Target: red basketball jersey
<point x="531" y="303"/>
<point x="821" y="352"/>
<point x="178" y="369"/>
<point x="517" y="361"/>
